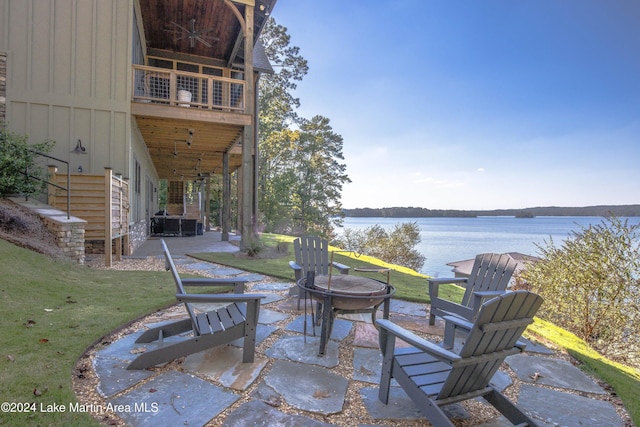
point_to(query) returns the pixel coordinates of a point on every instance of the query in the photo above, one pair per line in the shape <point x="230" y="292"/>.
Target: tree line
<point x="413" y="212"/>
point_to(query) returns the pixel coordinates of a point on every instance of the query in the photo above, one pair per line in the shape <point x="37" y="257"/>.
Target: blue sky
<point x="476" y="104"/>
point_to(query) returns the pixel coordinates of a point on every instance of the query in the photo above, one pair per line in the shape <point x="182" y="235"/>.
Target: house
<point x="463" y="268"/>
<point x="134" y="92"/>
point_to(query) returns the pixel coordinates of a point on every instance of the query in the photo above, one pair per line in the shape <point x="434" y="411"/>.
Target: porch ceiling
<point x="175" y="158"/>
<point x="218" y="34"/>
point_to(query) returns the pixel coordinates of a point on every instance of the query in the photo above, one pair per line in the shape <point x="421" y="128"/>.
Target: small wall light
<point x="80" y="169"/>
<point x="79" y="148"/>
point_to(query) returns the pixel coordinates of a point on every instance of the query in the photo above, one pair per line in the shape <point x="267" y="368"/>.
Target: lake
<point x="446" y="240"/>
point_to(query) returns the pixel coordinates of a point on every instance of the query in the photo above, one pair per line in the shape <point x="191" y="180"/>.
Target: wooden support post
<point x="119" y="248"/>
<point x="125" y="218"/>
<point x="207" y="204"/>
<point x="108" y="212"/>
<point x="247" y="230"/>
<point x="226" y="197"/>
<point x="51" y="190"/>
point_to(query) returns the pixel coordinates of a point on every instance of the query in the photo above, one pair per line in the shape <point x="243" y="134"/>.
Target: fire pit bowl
<point x="350" y="292"/>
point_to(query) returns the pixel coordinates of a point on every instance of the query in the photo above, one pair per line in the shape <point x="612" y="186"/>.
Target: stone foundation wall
<point x="138" y="233"/>
<point x="137" y="236"/>
<point x="3" y="86"/>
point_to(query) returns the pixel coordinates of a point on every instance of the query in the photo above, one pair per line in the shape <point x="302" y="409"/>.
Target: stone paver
<point x="114" y="377"/>
<point x="250" y="277"/>
<point x="565" y="409"/>
<point x="367" y="365"/>
<point x="366" y="335"/>
<point x="536" y="347"/>
<point x="341" y="327"/>
<point x="110" y="364"/>
<point x="268" y="317"/>
<point x="262" y="332"/>
<point x="310" y="388"/>
<point x="224" y="271"/>
<point x="400" y="407"/>
<point x="256" y="414"/>
<point x="267" y="286"/>
<point x="173" y="399"/>
<point x="302" y="349"/>
<point x="269" y="298"/>
<point x="206" y="267"/>
<point x="224" y="365"/>
<point x="410" y="308"/>
<point x="553" y="372"/>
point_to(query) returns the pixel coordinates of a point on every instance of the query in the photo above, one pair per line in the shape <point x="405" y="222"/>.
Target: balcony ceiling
<point x="218" y="34"/>
<point x="206" y="31"/>
<point x="175" y="158"/>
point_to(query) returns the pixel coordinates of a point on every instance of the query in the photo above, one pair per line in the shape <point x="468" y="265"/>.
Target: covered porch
<point x="193" y="101"/>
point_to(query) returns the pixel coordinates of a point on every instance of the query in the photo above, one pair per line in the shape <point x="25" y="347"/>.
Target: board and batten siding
<point x="68" y="77"/>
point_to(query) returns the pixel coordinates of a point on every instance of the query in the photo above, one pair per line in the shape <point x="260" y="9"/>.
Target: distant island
<point x="411" y="212"/>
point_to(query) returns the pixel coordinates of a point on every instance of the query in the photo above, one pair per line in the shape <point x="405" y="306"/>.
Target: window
<point x="176" y="192"/>
<point x="137" y="172"/>
<point x="137" y="52"/>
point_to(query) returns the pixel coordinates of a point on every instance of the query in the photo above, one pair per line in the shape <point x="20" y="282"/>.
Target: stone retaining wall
<point x="3" y="86"/>
<point x="69" y="231"/>
<point x="70" y="236"/>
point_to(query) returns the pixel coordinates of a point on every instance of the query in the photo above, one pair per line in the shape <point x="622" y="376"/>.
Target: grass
<point x="52" y="311"/>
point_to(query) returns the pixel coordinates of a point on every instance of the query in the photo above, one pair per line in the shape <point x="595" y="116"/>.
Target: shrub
<point x="253" y="246"/>
<point x="591" y="287"/>
<point x="19" y="172"/>
<point x="395" y="247"/>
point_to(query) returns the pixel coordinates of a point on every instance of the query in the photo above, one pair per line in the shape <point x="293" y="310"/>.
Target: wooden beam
<point x="247" y="2"/>
<point x="241" y="20"/>
<point x="194" y="114"/>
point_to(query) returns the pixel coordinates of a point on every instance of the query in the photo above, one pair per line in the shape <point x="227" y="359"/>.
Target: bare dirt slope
<point x="25" y="228"/>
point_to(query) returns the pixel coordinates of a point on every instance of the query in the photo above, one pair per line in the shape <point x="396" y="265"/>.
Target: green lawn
<point x="52" y="311"/>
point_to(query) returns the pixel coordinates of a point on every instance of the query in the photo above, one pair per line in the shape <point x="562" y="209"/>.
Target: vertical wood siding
<point x="69" y="73"/>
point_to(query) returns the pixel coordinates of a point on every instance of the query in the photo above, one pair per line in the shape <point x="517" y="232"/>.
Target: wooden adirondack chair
<point x="434" y="376"/>
<point x="489" y="277"/>
<point x="236" y="318"/>
<point x="312" y="254"/>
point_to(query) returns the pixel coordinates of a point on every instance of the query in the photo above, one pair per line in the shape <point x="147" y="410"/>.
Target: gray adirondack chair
<point x="237" y="317"/>
<point x="434" y="376"/>
<point x="312" y="254"/>
<point x="489" y="277"/>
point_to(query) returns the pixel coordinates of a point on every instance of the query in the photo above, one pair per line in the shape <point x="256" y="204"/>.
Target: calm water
<point x="445" y="240"/>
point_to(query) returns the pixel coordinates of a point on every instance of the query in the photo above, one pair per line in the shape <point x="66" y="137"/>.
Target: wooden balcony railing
<point x="185" y="89"/>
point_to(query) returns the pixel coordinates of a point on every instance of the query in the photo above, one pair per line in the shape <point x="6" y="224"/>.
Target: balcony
<point x="204" y="106"/>
<point x="187" y="89"/>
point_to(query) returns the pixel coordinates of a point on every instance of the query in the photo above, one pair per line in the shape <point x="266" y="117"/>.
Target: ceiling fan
<point x="192" y="34"/>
